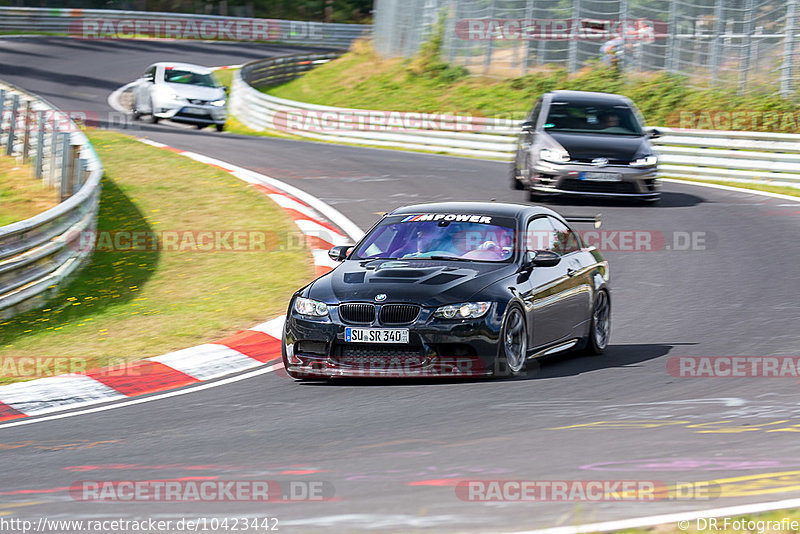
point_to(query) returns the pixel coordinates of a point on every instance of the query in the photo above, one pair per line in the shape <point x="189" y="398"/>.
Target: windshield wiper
<point x="454" y="258"/>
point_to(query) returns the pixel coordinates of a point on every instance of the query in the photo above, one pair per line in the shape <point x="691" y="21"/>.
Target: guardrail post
<point x="38" y="163"/>
<point x="65" y="180"/>
<point x="26" y="133"/>
<point x="53" y="178"/>
<point x="80" y="170"/>
<point x="12" y="126"/>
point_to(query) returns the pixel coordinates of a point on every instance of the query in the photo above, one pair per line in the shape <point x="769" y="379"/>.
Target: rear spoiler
<point x="596" y="220"/>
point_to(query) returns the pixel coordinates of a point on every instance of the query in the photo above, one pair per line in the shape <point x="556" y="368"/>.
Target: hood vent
<point x="443" y="278"/>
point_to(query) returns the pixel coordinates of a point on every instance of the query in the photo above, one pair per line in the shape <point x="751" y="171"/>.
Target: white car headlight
<point x="218" y="103"/>
<point x="554" y="155"/>
<point x="646" y="161"/>
<point x="310" y="307"/>
<point x="465" y="310"/>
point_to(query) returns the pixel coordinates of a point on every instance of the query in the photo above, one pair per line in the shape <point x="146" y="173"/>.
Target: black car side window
<point x="565" y="240"/>
<point x="539" y="235"/>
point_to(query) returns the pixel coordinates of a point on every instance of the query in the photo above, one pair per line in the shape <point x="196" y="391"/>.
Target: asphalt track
<point x="391" y="449"/>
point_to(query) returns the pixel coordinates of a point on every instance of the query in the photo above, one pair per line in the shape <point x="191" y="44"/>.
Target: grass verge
<point x="131" y="304"/>
<point x="21" y="197"/>
<point x="362" y="78"/>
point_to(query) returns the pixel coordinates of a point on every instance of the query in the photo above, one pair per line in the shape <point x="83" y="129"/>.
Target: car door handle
<point x="571" y="272"/>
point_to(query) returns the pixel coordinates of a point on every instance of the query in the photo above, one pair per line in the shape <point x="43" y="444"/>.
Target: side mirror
<point x="654" y="133"/>
<point x="340" y="252"/>
<point x="540" y="258"/>
<point x="528" y="126"/>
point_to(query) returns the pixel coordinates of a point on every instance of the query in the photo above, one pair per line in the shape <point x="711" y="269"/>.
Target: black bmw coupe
<point x="451" y="289"/>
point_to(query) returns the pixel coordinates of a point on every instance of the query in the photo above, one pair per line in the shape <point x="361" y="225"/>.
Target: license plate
<point x="601" y="176"/>
<point x="195" y="111"/>
<point x="376" y="335"/>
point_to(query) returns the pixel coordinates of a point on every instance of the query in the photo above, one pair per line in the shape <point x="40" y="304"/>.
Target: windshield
<point x="594" y="118"/>
<point x="473" y="237"/>
<point x="188" y="77"/>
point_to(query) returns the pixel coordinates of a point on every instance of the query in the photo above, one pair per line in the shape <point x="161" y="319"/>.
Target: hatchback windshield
<point x="594" y="118"/>
<point x="188" y="77"/>
<point x="440" y="236"/>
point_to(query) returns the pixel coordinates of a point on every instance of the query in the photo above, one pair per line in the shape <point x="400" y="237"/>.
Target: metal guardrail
<point x="37" y="255"/>
<point x="112" y="23"/>
<point x="711" y="154"/>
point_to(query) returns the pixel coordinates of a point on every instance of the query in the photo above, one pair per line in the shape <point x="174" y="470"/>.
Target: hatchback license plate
<point x="195" y="111"/>
<point x="376" y="335"/>
<point x="601" y="176"/>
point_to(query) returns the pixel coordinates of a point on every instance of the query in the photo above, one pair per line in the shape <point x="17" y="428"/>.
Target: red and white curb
<point x="323" y="227"/>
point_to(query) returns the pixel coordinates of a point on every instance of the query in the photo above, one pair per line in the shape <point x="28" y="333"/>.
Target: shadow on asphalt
<point x="568" y="364"/>
<point x="669" y="199"/>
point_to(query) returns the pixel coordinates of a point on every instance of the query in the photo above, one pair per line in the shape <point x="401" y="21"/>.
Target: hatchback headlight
<point x="218" y="103"/>
<point x="645" y="161"/>
<point x="465" y="310"/>
<point x="554" y="155"/>
<point x="310" y="307"/>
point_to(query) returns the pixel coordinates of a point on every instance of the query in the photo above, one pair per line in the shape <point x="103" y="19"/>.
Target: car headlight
<point x="218" y="103"/>
<point x="310" y="307"/>
<point x="645" y="161"/>
<point x="554" y="155"/>
<point x="465" y="310"/>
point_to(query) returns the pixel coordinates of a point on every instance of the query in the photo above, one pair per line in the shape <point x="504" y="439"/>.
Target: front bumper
<point x="316" y="348"/>
<point x="568" y="179"/>
<point x="191" y="113"/>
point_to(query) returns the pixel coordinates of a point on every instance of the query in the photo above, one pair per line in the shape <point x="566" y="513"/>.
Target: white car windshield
<point x="188" y="77"/>
<point x="441" y="236"/>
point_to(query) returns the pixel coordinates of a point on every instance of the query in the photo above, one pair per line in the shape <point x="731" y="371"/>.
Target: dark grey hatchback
<point x="586" y="143"/>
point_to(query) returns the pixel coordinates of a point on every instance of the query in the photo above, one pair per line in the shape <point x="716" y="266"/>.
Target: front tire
<point x="600" y="329"/>
<point x="515" y="182"/>
<point x="513" y="351"/>
<point x="535" y="196"/>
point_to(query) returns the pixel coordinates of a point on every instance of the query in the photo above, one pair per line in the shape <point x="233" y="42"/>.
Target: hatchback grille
<point x="197" y="101"/>
<point x="357" y="313"/>
<point x="589" y="186"/>
<point x="398" y="313"/>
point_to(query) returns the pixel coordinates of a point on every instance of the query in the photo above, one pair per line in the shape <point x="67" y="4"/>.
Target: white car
<point x="180" y="92"/>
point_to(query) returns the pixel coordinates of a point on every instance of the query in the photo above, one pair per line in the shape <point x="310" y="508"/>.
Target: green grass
<point x="21" y="197"/>
<point x="224" y="77"/>
<point x="363" y="79"/>
<point x="128" y="305"/>
<point x="783" y="190"/>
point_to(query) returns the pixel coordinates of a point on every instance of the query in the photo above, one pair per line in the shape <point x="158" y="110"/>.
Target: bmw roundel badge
<point x="380" y="297"/>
